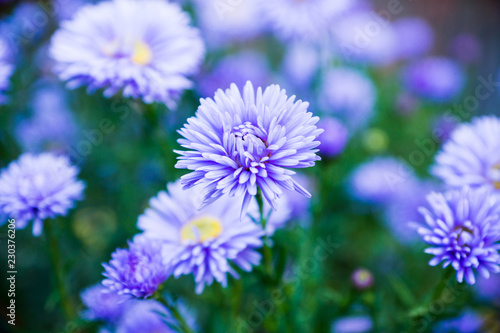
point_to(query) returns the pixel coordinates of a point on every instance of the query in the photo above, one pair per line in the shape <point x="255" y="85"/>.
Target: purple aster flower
<point x="466" y="48"/>
<point x="202" y="242"/>
<point x="350" y="95"/>
<point x="468" y="322"/>
<point x="238" y="69"/>
<point x="334" y="138"/>
<point x="415" y="37"/>
<point x="355" y="324"/>
<point x="463" y="229"/>
<point x="6" y="70"/>
<point x="145" y="49"/>
<point x="102" y="304"/>
<point x="229" y="22"/>
<point x="240" y="142"/>
<point x="37" y="187"/>
<point x="52" y="124"/>
<point x="434" y="78"/>
<point x="146" y="316"/>
<point x="364" y="37"/>
<point x="379" y="181"/>
<point x="307" y="20"/>
<point x="138" y="271"/>
<point x="471" y="156"/>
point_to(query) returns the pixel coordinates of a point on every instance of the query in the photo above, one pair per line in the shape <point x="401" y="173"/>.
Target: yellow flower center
<point x="201" y="229"/>
<point x="142" y="54"/>
<point x="496" y="180"/>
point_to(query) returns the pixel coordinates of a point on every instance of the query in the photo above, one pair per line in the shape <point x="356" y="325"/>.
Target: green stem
<point x="67" y="306"/>
<point x="174" y="311"/>
<point x="268" y="261"/>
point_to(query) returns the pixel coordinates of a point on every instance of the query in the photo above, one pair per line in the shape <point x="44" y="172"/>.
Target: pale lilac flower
<point x="354" y="324"/>
<point x="362" y="278"/>
<point x="349" y="95"/>
<point x="138" y="271"/>
<point x="52" y="125"/>
<point x="6" y="70"/>
<point x="471" y="156"/>
<point x="239" y="142"/>
<point x="463" y="229"/>
<point x="300" y="64"/>
<point x="229" y="22"/>
<point x="37" y="187"/>
<point x="203" y="242"/>
<point x="334" y="138"/>
<point x="380" y="180"/>
<point x="415" y="37"/>
<point x="364" y="37"/>
<point x="144" y="49"/>
<point x="305" y="20"/>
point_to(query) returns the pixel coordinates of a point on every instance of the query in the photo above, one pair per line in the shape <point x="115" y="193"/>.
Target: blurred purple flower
<point x="202" y="242"/>
<point x="364" y="37"/>
<point x="471" y="156"/>
<point x="37" y="187"/>
<point x="138" y="271"/>
<point x="362" y="278"/>
<point x="443" y="127"/>
<point x="6" y="70"/>
<point x="146" y="316"/>
<point x="380" y="180"/>
<point x="300" y="64"/>
<point x="67" y="9"/>
<point x="52" y="125"/>
<point x="334" y="138"/>
<point x="305" y="20"/>
<point x="238" y="69"/>
<point x="466" y="48"/>
<point x="463" y="229"/>
<point x="489" y="289"/>
<point x="240" y="143"/>
<point x="231" y="22"/>
<point x="349" y="95"/>
<point x="415" y="37"/>
<point x="437" y="79"/>
<point x="145" y="49"/>
<point x="468" y="322"/>
<point x="101" y="304"/>
<point x="404" y="208"/>
<point x="354" y="324"/>
<point x="25" y="26"/>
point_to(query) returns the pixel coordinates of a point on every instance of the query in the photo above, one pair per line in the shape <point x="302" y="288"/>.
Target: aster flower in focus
<point x="102" y="304"/>
<point x="145" y="49"/>
<point x="471" y="156"/>
<point x="437" y="79"/>
<point x="463" y="229"/>
<point x="203" y="242"/>
<point x="6" y="69"/>
<point x="240" y="142"/>
<point x="349" y="95"/>
<point x="138" y="271"/>
<point x="309" y="20"/>
<point x="37" y="187"/>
